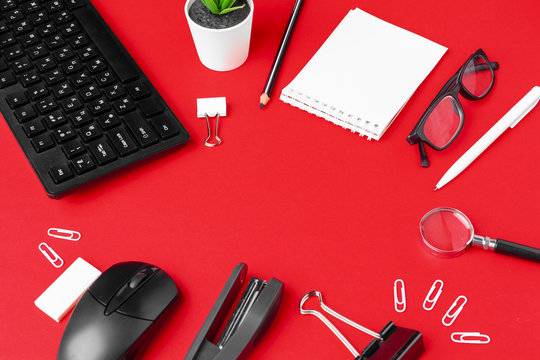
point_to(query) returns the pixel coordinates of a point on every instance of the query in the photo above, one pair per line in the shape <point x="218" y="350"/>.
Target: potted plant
<point x="221" y="31"/>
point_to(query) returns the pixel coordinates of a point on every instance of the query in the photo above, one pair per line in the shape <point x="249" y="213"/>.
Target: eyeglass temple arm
<point x="424" y="161"/>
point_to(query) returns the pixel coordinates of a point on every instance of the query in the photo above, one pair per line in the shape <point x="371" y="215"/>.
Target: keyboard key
<point x="122" y="141"/>
<point x="37" y="51"/>
<point x="38" y="18"/>
<point x="25" y="113"/>
<point x="87" y="53"/>
<point x="31" y="6"/>
<point x="137" y="90"/>
<point x="95" y="66"/>
<point x="22" y="65"/>
<point x="60" y="173"/>
<point x="64" y="134"/>
<point x="54" y="77"/>
<point x="42" y="142"/>
<point x="108" y="121"/>
<point x="141" y="129"/>
<point x="46" y="105"/>
<point x="73" y="148"/>
<point x="7" y="5"/>
<point x="72" y="66"/>
<point x="123" y="106"/>
<point x="165" y="126"/>
<point x="54" y="6"/>
<point x="90" y="92"/>
<point x="83" y="163"/>
<point x="45" y="64"/>
<point x="16" y="100"/>
<point x="99" y="107"/>
<point x="55" y="119"/>
<point x="150" y="107"/>
<point x="73" y="4"/>
<point x="63" y="54"/>
<point x="54" y="42"/>
<point x="114" y="91"/>
<point x="81" y="79"/>
<point x="14" y="15"/>
<point x="29" y="78"/>
<point x="3" y="27"/>
<point x="71" y="104"/>
<point x="7" y="79"/>
<point x="90" y="132"/>
<point x="78" y="41"/>
<point x="102" y="151"/>
<point x="61" y="17"/>
<point x="123" y="66"/>
<point x="62" y="90"/>
<point x="105" y="78"/>
<point x="80" y="117"/>
<point x="12" y="53"/>
<point x="22" y="27"/>
<point x="70" y="29"/>
<point x="38" y="92"/>
<point x="34" y="128"/>
<point x="3" y="65"/>
<point x="29" y="39"/>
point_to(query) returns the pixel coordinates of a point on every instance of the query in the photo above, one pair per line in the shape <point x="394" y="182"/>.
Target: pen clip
<point x="526" y="104"/>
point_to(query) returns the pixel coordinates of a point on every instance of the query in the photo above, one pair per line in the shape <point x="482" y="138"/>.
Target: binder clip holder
<point x="392" y="343"/>
<point x="207" y="107"/>
<point x="249" y="321"/>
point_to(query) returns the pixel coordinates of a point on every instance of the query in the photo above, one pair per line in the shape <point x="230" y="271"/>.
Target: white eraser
<point x="65" y="291"/>
<point x="212" y="106"/>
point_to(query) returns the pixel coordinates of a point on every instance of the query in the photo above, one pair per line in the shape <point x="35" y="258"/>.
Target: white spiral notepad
<point x="364" y="74"/>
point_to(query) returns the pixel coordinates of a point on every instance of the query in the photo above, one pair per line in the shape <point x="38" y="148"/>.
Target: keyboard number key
<point x="90" y="132"/>
<point x="60" y="173"/>
<point x="64" y="134"/>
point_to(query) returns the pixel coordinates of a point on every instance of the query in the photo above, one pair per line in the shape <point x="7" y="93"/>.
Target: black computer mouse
<point x="117" y="315"/>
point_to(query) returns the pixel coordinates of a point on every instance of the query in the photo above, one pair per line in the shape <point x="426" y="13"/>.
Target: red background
<point x="296" y="197"/>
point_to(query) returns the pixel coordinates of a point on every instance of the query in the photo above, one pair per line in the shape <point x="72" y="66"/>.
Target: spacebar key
<point x="97" y="30"/>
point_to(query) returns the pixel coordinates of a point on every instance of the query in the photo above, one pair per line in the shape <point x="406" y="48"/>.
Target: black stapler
<point x="249" y="321"/>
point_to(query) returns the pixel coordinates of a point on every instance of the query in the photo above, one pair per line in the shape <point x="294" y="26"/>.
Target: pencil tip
<point x="262" y="105"/>
<point x="436" y="188"/>
<point x="264" y="99"/>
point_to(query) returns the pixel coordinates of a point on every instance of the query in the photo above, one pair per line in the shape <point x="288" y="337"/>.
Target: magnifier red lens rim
<point x="440" y="252"/>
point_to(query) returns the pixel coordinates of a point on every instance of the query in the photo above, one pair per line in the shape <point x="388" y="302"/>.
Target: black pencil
<point x="267" y="92"/>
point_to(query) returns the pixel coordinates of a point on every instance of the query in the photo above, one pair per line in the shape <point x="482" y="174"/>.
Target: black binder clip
<point x="392" y="343"/>
<point x="251" y="318"/>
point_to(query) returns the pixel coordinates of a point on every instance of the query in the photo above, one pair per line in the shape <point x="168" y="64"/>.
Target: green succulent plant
<point x="220" y="7"/>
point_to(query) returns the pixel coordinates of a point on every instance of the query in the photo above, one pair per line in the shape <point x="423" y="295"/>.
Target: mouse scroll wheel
<point x="137" y="279"/>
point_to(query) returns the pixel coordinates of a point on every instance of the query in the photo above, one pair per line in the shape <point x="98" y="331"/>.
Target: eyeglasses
<point x="443" y="120"/>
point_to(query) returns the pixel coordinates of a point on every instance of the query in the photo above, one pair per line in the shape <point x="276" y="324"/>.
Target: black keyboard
<point x="77" y="103"/>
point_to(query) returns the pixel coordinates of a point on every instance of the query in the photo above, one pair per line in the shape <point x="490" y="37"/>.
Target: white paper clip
<point x="400" y="302"/>
<point x="452" y="313"/>
<point x="470" y="338"/>
<point x="51" y="255"/>
<point x="429" y="301"/>
<point x="212" y="107"/>
<point x="64" y="234"/>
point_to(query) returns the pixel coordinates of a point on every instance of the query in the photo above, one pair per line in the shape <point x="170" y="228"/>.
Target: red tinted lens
<point x="477" y="76"/>
<point x="443" y="122"/>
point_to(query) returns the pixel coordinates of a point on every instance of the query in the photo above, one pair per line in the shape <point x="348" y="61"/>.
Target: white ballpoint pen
<point x="512" y="117"/>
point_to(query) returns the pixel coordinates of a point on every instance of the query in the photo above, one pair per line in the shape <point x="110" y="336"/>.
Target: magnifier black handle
<point x="517" y="250"/>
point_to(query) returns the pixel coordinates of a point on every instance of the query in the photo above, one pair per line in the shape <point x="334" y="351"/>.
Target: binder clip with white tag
<point x="209" y="107"/>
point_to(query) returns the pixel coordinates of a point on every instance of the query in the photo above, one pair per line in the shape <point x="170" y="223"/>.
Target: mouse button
<point x="110" y="282"/>
<point x="149" y="301"/>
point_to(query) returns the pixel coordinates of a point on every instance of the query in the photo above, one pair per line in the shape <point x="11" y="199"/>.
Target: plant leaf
<point x="227" y="4"/>
<point x="225" y="11"/>
<point x="211" y="5"/>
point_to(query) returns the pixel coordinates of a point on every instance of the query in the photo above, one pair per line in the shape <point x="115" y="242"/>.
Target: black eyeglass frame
<point x="452" y="88"/>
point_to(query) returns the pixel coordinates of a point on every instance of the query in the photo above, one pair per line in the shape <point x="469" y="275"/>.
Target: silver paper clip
<point x="454" y="310"/>
<point x="64" y="234"/>
<point x="212" y="107"/>
<point x="400" y="302"/>
<point x="331" y="326"/>
<point x="470" y="338"/>
<point x="429" y="301"/>
<point x="51" y="255"/>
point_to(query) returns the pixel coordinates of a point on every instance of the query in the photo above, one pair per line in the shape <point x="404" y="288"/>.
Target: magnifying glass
<point x="447" y="232"/>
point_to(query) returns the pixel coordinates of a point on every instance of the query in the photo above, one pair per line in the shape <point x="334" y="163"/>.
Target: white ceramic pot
<point x="221" y="49"/>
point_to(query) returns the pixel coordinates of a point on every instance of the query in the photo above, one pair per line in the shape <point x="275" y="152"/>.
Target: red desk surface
<point x="296" y="197"/>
